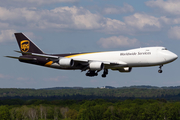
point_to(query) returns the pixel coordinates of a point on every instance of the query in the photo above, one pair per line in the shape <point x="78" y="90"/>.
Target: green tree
<point x="112" y="114"/>
<point x="4" y="113"/>
<point x="92" y="113"/>
<point x="172" y="111"/>
<point x="72" y="114"/>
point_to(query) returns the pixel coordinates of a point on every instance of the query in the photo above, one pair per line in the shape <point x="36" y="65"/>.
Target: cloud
<point x="113" y="26"/>
<point x="36" y="2"/>
<point x="165" y="20"/>
<point x="174" y="32"/>
<point x="60" y="18"/>
<point x="24" y="79"/>
<point x="169" y="6"/>
<point x="79" y="18"/>
<point x="3" y="25"/>
<point x="46" y="1"/>
<point x="83" y="19"/>
<point x="118" y="41"/>
<point x="143" y="22"/>
<point x="74" y="18"/>
<point x="169" y="21"/>
<point x="57" y="79"/>
<point x="16" y="17"/>
<point x="2" y="76"/>
<point x="7" y="35"/>
<point x="118" y="10"/>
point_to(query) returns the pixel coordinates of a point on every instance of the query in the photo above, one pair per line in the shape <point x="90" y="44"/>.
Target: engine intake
<point x="126" y="69"/>
<point x="66" y="62"/>
<point x="96" y="66"/>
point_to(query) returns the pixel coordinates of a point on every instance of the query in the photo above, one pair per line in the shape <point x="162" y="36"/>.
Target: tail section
<point x="26" y="45"/>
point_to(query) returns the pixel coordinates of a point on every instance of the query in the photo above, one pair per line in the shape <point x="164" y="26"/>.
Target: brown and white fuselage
<point x="94" y="62"/>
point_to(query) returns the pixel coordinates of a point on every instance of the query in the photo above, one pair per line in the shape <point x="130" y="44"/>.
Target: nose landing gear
<point x="160" y="69"/>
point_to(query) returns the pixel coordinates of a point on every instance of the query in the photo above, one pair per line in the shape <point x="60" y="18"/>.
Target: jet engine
<point x="96" y="66"/>
<point x="125" y="69"/>
<point x="66" y="62"/>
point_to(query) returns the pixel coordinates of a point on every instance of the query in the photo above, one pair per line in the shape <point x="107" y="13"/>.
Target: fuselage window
<point x="164" y="48"/>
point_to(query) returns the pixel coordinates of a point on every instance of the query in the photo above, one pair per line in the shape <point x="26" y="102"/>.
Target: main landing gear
<point x="160" y="69"/>
<point x="91" y="73"/>
<point x="95" y="73"/>
<point x="105" y="73"/>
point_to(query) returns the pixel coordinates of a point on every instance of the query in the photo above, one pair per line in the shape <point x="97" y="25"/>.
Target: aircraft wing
<point x="75" y="59"/>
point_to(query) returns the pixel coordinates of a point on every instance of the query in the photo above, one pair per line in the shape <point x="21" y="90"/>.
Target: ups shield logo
<point x="25" y="45"/>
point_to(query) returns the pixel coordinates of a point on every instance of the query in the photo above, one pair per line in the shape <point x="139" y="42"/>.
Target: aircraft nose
<point x="171" y="56"/>
<point x="175" y="56"/>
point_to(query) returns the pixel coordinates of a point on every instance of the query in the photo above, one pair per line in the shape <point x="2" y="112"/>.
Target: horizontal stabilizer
<point x="39" y="55"/>
<point x="21" y="58"/>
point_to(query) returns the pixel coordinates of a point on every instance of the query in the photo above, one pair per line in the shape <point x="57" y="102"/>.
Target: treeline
<point x="91" y="93"/>
<point x="98" y="109"/>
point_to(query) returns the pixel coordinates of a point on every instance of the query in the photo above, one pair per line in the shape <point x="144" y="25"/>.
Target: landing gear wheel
<point x="160" y="71"/>
<point x="92" y="73"/>
<point x="103" y="75"/>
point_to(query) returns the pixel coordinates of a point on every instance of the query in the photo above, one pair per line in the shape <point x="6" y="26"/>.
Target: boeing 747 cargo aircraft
<point x="94" y="62"/>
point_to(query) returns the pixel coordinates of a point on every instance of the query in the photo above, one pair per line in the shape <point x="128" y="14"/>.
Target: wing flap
<point x="105" y="62"/>
<point x="80" y="60"/>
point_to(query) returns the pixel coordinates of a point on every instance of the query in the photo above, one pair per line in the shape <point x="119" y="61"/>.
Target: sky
<point x="74" y="26"/>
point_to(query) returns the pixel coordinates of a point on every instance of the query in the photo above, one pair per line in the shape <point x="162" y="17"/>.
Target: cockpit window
<point x="164" y="48"/>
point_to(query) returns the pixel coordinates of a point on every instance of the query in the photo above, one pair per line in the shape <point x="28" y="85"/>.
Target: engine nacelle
<point x="96" y="66"/>
<point x="66" y="62"/>
<point x="126" y="69"/>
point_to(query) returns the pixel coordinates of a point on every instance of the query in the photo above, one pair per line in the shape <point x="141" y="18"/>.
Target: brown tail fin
<point x="26" y="45"/>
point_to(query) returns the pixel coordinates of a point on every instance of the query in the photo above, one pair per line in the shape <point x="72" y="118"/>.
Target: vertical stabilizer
<point x="26" y="45"/>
